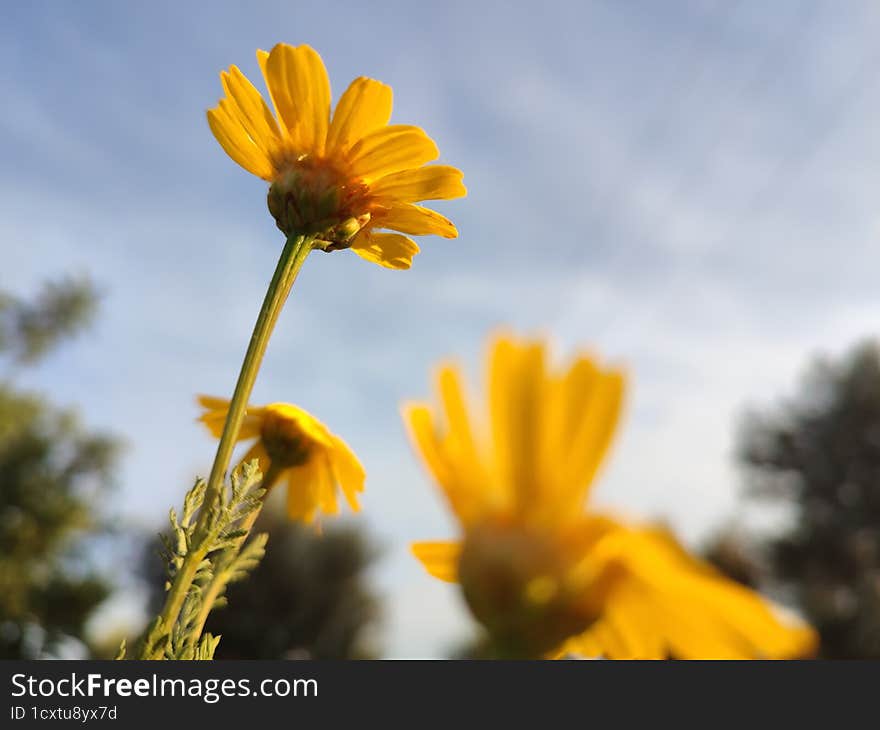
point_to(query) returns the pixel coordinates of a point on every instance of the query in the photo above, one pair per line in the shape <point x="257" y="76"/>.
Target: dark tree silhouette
<point x="819" y="453"/>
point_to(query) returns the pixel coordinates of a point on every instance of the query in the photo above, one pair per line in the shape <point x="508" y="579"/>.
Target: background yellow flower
<point x="542" y="574"/>
<point x="344" y="176"/>
<point x="293" y="446"/>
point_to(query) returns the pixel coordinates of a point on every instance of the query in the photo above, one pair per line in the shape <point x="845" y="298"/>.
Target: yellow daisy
<point x="342" y="177"/>
<point x="293" y="446"/>
<point x="543" y="575"/>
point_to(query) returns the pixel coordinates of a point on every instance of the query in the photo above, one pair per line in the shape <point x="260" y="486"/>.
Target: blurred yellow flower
<point x="294" y="446"/>
<point x="544" y="576"/>
<point x="341" y="177"/>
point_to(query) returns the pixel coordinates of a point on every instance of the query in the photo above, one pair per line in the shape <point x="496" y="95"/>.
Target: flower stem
<point x="292" y="257"/>
<point x="291" y="260"/>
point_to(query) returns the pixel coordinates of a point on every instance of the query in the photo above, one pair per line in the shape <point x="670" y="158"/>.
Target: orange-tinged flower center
<point x="285" y="441"/>
<point x="314" y="195"/>
<point x="516" y="582"/>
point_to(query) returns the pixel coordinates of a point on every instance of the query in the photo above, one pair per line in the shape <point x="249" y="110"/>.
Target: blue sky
<point x="688" y="188"/>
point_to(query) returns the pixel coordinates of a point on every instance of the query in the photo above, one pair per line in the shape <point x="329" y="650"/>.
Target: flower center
<point x="314" y="196"/>
<point x="284" y="441"/>
<point x="515" y="582"/>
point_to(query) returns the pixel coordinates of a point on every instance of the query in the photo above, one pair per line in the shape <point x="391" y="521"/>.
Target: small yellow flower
<point x="294" y="446"/>
<point x="544" y="576"/>
<point x="342" y="177"/>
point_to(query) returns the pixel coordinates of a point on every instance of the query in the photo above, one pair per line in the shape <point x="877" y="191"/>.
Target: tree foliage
<point x="53" y="476"/>
<point x="30" y="329"/>
<point x="819" y="454"/>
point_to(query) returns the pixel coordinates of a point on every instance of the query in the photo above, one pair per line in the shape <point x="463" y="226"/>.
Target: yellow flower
<point x="543" y="575"/>
<point x="342" y="177"/>
<point x="294" y="446"/>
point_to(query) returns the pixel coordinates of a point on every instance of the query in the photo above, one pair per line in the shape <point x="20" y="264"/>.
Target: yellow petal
<point x="310" y="426"/>
<point x="516" y="392"/>
<point x="740" y="621"/>
<point x="585" y="645"/>
<point x="434" y="182"/>
<point x="391" y="149"/>
<point x="420" y="427"/>
<point x="348" y="471"/>
<point x="235" y="142"/>
<point x="364" y="107"/>
<point x="579" y="386"/>
<point x="440" y="559"/>
<point x="310" y="69"/>
<point x="551" y="439"/>
<point x="464" y="451"/>
<point x="499" y="377"/>
<point x="250" y="110"/>
<point x="215" y="418"/>
<point x="581" y="409"/>
<point x="391" y="250"/>
<point x="611" y="641"/>
<point x="213" y="403"/>
<point x="692" y="611"/>
<point x="279" y="91"/>
<point x="303" y="485"/>
<point x="593" y="434"/>
<point x="632" y="640"/>
<point x="326" y="484"/>
<point x="417" y="221"/>
<point x="467" y="503"/>
<point x="627" y="630"/>
<point x="460" y="435"/>
<point x="300" y="91"/>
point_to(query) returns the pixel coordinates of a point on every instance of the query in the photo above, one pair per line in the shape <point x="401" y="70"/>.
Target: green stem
<point x="291" y="260"/>
<point x="292" y="257"/>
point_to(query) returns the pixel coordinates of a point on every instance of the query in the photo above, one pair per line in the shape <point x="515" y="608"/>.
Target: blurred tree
<point x="733" y="551"/>
<point x="28" y="330"/>
<point x="820" y="455"/>
<point x="307" y="599"/>
<point x="52" y="477"/>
